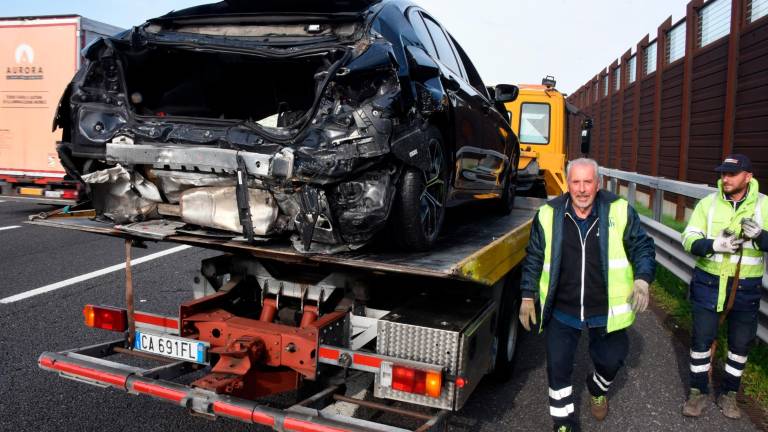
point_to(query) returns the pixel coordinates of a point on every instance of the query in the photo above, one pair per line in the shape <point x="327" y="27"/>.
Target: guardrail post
<point x="631" y="192"/>
<point x="613" y="185"/>
<point x="658" y="204"/>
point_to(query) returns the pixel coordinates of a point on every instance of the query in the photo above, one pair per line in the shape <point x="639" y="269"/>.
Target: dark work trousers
<point x="742" y="329"/>
<point x="607" y="350"/>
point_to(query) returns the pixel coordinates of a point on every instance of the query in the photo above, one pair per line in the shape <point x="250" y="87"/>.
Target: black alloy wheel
<point x="508" y="187"/>
<point x="422" y="197"/>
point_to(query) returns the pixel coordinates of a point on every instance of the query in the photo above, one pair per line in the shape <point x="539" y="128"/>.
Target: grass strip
<point x="665" y="219"/>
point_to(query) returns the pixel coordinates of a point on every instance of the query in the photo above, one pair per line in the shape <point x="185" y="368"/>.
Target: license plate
<point x="30" y="191"/>
<point x="171" y="346"/>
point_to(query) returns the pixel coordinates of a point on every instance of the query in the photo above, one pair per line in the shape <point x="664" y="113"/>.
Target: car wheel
<point x="421" y="198"/>
<point x="507" y="333"/>
<point x="509" y="190"/>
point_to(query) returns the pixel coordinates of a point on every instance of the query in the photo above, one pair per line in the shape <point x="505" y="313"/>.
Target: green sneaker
<point x="563" y="428"/>
<point x="695" y="404"/>
<point x="599" y="407"/>
<point x="728" y="405"/>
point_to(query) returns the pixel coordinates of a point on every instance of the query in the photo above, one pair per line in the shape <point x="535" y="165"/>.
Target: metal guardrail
<point x="669" y="249"/>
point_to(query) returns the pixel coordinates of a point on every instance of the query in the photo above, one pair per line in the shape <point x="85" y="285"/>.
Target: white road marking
<point x="91" y="275"/>
<point x="9" y="227"/>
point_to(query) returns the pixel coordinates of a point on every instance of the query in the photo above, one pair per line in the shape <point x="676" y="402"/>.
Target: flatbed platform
<point x="475" y="246"/>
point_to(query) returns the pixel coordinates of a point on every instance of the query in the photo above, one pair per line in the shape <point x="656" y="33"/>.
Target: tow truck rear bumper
<point x="88" y="365"/>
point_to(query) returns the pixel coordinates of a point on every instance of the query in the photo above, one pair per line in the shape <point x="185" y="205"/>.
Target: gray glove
<point x="639" y="297"/>
<point x="727" y="242"/>
<point x="527" y="313"/>
<point x="750" y="229"/>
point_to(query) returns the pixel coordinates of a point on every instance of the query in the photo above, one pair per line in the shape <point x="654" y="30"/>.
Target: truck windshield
<point x="534" y="123"/>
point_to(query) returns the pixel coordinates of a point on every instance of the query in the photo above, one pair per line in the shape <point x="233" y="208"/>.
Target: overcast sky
<point x="509" y="41"/>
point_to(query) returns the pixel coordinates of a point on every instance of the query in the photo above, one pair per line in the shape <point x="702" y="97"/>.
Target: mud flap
<point x="243" y="204"/>
<point x="310" y="212"/>
<point x="412" y="147"/>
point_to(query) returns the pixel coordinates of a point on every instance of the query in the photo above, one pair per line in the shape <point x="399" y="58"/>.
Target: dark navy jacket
<point x="705" y="288"/>
<point x="640" y="248"/>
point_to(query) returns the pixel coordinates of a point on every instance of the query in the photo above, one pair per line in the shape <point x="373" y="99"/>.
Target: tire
<point x="539" y="189"/>
<point x="507" y="332"/>
<point x="509" y="190"/>
<point x="421" y="198"/>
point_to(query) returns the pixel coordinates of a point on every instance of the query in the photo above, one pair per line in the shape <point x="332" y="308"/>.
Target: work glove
<point x="727" y="242"/>
<point x="750" y="229"/>
<point x="639" y="297"/>
<point x="527" y="313"/>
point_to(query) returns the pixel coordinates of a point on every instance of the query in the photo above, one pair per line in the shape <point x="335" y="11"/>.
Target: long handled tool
<point x="724" y="314"/>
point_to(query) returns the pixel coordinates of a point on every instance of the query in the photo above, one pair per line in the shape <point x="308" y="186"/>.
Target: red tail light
<point x="417" y="381"/>
<point x="105" y="318"/>
<point x="69" y="194"/>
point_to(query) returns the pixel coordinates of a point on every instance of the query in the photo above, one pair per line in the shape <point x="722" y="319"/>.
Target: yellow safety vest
<point x="711" y="216"/>
<point x="620" y="275"/>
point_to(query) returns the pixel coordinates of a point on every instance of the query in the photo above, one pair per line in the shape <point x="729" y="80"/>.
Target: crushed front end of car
<point x="256" y="130"/>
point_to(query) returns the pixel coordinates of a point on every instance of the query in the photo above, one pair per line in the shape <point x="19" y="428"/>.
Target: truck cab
<point x="539" y="117"/>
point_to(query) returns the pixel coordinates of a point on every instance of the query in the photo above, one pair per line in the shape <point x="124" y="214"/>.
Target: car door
<point x="499" y="145"/>
<point x="468" y="109"/>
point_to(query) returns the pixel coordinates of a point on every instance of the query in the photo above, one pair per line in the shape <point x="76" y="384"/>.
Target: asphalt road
<point x="646" y="396"/>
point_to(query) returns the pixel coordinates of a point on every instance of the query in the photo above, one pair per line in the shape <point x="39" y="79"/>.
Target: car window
<point x="421" y="31"/>
<point x="444" y="50"/>
<point x="534" y="123"/>
<point x="469" y="69"/>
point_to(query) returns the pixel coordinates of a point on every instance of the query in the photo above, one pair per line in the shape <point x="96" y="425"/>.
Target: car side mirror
<point x="586" y="135"/>
<point x="421" y="64"/>
<point x="506" y="93"/>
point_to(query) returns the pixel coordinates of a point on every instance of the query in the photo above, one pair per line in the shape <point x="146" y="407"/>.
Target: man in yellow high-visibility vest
<point x="589" y="263"/>
<point x="726" y="231"/>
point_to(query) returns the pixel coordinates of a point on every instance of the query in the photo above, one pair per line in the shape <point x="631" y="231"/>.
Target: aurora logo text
<point x="25" y="68"/>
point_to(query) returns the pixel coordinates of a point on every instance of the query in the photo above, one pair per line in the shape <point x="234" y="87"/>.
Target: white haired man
<point x="589" y="263"/>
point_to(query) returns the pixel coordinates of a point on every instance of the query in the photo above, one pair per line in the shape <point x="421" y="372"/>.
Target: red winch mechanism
<point x="253" y="357"/>
<point x="257" y="357"/>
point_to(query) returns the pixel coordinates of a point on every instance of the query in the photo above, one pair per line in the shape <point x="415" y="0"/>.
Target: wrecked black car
<point x="321" y="120"/>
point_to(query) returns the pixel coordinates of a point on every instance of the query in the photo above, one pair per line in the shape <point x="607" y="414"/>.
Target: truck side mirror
<point x="506" y="93"/>
<point x="586" y="135"/>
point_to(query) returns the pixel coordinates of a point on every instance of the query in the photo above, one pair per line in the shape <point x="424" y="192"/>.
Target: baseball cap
<point x="735" y="163"/>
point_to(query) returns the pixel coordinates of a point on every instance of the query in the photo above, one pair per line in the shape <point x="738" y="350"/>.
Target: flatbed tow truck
<point x="267" y="320"/>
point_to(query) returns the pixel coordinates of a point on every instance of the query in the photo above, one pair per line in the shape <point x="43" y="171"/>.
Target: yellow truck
<point x="540" y="117"/>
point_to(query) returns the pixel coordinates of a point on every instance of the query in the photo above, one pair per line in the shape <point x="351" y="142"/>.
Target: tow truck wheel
<point x="507" y="333"/>
<point x="421" y="199"/>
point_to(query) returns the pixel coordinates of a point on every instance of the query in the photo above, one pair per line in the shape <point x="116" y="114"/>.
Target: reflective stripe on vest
<point x="620" y="275"/>
<point x="546" y="220"/>
<point x="720" y="216"/>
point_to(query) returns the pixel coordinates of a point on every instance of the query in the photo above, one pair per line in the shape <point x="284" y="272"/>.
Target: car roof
<point x="237" y="7"/>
